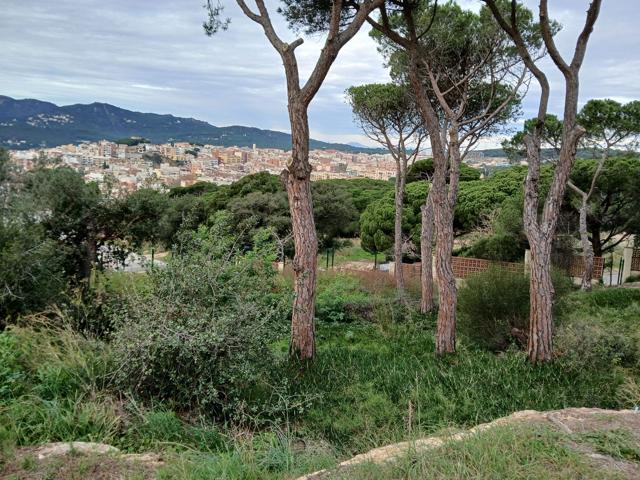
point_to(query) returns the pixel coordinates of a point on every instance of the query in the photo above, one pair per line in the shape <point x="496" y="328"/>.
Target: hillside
<point x="32" y="123"/>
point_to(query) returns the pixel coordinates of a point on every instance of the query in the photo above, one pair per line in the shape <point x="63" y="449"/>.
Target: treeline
<point x="56" y="228"/>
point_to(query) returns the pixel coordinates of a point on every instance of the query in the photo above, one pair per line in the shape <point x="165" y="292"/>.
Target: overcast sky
<point x="152" y="56"/>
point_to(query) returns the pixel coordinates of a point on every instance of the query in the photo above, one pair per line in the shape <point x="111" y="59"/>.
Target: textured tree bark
<point x="426" y="255"/>
<point x="587" y="249"/>
<point x="297" y="179"/>
<point x="447" y="291"/>
<point x="596" y="242"/>
<point x="443" y="213"/>
<point x="401" y="174"/>
<point x="540" y="344"/>
<point x="444" y="203"/>
<point x="540" y="231"/>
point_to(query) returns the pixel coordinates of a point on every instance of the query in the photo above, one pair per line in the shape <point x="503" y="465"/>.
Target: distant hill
<point x="32" y="123"/>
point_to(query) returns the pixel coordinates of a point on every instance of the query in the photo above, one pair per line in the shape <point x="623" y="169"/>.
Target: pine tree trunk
<point x="444" y="205"/>
<point x="587" y="250"/>
<point x="297" y="179"/>
<point x="397" y="242"/>
<point x="596" y="242"/>
<point x="447" y="291"/>
<point x="540" y="346"/>
<point x="426" y="254"/>
<point x="90" y="257"/>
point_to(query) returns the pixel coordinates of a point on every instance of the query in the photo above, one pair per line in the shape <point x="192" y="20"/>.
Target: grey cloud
<point x="152" y="55"/>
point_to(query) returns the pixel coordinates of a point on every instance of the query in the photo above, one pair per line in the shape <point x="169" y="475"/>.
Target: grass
<point x="375" y="381"/>
<point x="25" y="466"/>
<point x="355" y="253"/>
<point x="619" y="443"/>
<point x="386" y="384"/>
<point x="514" y="452"/>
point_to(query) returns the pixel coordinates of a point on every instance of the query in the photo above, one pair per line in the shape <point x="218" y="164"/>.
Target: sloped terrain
<point x="569" y="443"/>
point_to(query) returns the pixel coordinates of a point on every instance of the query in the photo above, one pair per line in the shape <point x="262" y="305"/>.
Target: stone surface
<point x="569" y="420"/>
<point x="64" y="448"/>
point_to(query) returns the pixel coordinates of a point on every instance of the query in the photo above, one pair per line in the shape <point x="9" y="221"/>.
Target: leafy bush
<point x="497" y="247"/>
<point x="494" y="307"/>
<point x="341" y="299"/>
<point x="200" y="335"/>
<point x="31" y="270"/>
<point x="600" y="328"/>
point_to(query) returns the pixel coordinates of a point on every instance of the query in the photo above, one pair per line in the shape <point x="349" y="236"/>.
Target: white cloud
<point x="153" y="56"/>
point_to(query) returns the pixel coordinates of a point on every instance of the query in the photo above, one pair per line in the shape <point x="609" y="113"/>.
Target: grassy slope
<point x="515" y="452"/>
<point x="373" y="384"/>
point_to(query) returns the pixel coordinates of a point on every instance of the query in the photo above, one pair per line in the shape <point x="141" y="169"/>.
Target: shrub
<point x="612" y="297"/>
<point x="200" y="335"/>
<point x="494" y="307"/>
<point x="340" y="298"/>
<point x="31" y="270"/>
<point x="600" y="328"/>
<point x="498" y="247"/>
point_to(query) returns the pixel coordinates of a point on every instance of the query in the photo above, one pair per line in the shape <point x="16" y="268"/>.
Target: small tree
<point x="540" y="230"/>
<point x="335" y="216"/>
<point x="142" y="211"/>
<point x="466" y="80"/>
<point x="614" y="210"/>
<point x="388" y="115"/>
<point x="608" y="124"/>
<point x="341" y="20"/>
<point x="376" y="228"/>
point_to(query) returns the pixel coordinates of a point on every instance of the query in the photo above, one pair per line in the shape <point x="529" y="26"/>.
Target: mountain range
<point x="30" y="123"/>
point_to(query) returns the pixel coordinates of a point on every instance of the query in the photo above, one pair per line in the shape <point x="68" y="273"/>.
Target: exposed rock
<point x="569" y="420"/>
<point x="63" y="448"/>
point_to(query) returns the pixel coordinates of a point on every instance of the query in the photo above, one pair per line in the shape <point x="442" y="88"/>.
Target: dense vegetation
<point x="386" y="384"/>
<point x="181" y="358"/>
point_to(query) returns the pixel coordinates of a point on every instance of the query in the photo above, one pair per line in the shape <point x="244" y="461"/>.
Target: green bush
<point x="31" y="270"/>
<point x="340" y="298"/>
<point x="497" y="247"/>
<point x="613" y="297"/>
<point x="492" y="304"/>
<point x="600" y="328"/>
<point x="494" y="307"/>
<point x="199" y="337"/>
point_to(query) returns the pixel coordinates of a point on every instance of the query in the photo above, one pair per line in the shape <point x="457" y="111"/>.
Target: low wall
<point x="464" y="266"/>
<point x="635" y="260"/>
<point x="575" y="266"/>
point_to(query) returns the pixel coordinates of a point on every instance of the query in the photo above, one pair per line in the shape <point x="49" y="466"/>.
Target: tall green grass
<point x="376" y="384"/>
<point x="509" y="452"/>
